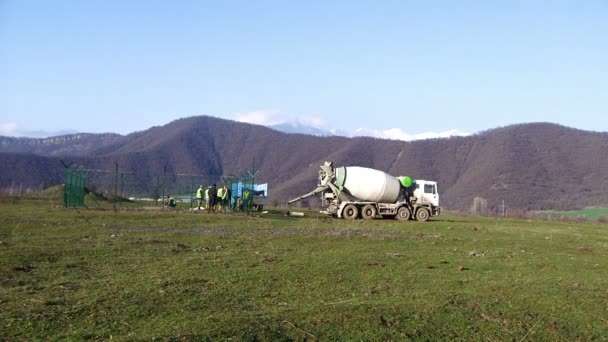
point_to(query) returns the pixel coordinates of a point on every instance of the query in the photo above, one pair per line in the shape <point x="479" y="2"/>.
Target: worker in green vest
<point x="220" y="198"/>
<point x="246" y="199"/>
<point x="224" y="198"/>
<point x="199" y="196"/>
<point x="207" y="198"/>
<point x="170" y="202"/>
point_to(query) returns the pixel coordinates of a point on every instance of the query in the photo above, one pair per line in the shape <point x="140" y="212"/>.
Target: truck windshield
<point x="429" y="188"/>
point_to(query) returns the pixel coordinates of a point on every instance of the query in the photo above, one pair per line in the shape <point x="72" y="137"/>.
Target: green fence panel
<point x="73" y="195"/>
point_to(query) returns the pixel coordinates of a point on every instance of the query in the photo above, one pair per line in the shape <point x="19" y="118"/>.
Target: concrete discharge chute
<point x="375" y="193"/>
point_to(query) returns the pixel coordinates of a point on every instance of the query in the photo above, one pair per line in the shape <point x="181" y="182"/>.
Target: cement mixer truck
<point x="358" y="192"/>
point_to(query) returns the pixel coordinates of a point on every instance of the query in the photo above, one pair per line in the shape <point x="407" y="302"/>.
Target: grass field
<point x="592" y="213"/>
<point x="78" y="274"/>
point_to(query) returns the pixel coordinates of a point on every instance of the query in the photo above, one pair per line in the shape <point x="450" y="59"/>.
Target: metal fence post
<point x="115" y="185"/>
<point x="164" y="178"/>
<point x="191" y="189"/>
<point x="121" y="186"/>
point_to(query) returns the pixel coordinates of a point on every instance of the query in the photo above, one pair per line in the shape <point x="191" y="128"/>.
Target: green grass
<point x="591" y="213"/>
<point x="79" y="274"/>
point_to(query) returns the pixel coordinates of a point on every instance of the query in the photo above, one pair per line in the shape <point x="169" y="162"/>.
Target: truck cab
<point x="426" y="192"/>
<point x="426" y="195"/>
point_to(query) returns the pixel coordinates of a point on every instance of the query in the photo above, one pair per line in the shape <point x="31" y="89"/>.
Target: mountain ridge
<point x="529" y="166"/>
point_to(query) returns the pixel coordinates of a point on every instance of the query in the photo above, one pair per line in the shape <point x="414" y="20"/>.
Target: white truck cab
<point x="426" y="192"/>
<point x="425" y="200"/>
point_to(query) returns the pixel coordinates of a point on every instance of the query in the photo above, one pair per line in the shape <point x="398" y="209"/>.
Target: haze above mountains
<point x="276" y="122"/>
<point x="528" y="166"/>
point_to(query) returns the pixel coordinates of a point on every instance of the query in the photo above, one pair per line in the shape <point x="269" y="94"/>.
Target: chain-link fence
<point x="119" y="188"/>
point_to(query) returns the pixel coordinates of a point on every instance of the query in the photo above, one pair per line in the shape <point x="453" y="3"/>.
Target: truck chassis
<point x="369" y="210"/>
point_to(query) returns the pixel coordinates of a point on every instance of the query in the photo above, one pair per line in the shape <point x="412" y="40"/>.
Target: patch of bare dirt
<point x="373" y="263"/>
<point x="26" y="268"/>
<point x="585" y="249"/>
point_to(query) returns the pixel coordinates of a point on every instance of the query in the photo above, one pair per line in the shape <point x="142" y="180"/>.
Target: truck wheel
<point x="422" y="214"/>
<point x="403" y="214"/>
<point x="350" y="212"/>
<point x="368" y="212"/>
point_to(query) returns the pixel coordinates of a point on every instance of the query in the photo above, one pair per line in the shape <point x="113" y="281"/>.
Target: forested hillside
<point x="528" y="166"/>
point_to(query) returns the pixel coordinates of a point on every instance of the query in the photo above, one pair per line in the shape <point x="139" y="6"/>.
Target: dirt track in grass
<point x="288" y="232"/>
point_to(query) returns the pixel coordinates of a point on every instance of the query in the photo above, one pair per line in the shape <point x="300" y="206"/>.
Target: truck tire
<point x="403" y="214"/>
<point x="422" y="214"/>
<point x="350" y="212"/>
<point x="368" y="212"/>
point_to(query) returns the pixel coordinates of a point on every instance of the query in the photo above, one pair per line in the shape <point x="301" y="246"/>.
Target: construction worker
<point x="199" y="196"/>
<point x="246" y="199"/>
<point x="170" y="202"/>
<point x="220" y="198"/>
<point x="212" y="197"/>
<point x="207" y="197"/>
<point x="225" y="197"/>
<point x="228" y="197"/>
<point x="406" y="189"/>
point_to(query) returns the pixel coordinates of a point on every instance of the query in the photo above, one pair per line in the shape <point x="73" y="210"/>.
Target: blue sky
<point x="416" y="66"/>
